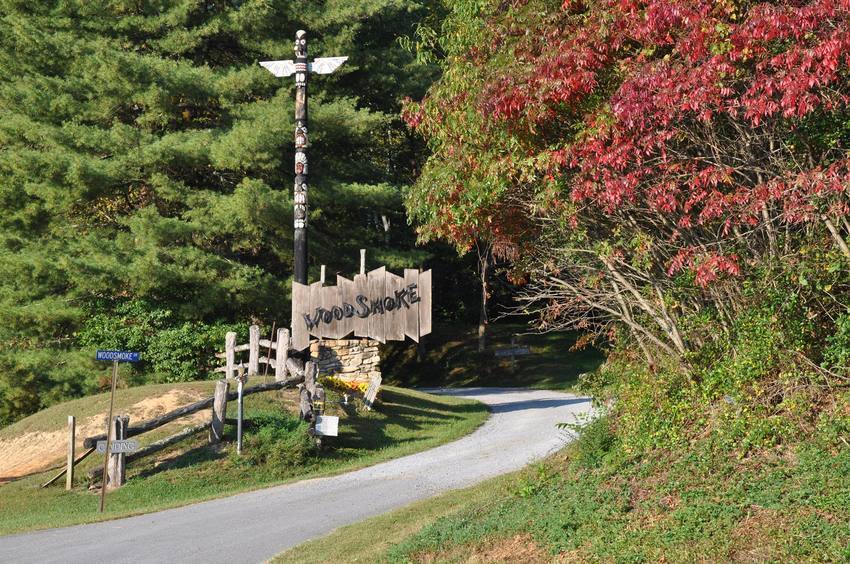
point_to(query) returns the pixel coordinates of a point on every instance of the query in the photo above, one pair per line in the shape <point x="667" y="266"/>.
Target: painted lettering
<point x="414" y="297"/>
<point x="363" y="307"/>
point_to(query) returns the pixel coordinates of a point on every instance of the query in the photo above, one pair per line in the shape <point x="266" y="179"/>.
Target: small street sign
<point x="516" y="351"/>
<point x="118" y="447"/>
<point x="118" y="356"/>
<point x="327" y="425"/>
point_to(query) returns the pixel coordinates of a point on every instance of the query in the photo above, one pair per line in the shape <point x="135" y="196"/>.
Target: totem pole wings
<point x="323" y="65"/>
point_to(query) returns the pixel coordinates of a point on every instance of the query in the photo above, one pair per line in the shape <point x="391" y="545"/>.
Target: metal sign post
<point x="115" y="357"/>
<point x="241" y="384"/>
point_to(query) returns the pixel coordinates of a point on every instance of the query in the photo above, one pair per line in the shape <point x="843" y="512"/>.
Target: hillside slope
<point x="277" y="449"/>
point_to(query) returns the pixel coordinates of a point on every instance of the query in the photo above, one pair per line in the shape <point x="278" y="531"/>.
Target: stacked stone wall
<point x="353" y="360"/>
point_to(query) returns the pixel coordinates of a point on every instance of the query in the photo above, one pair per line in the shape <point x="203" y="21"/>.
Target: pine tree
<point x="146" y="174"/>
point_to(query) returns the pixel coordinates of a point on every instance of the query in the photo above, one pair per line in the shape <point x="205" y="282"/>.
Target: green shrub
<point x="277" y="441"/>
<point x="173" y="350"/>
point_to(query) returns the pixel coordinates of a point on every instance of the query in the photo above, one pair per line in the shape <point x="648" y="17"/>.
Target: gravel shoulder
<point x="255" y="526"/>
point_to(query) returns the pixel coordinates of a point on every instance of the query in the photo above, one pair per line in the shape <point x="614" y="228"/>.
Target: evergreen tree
<point x="146" y="174"/>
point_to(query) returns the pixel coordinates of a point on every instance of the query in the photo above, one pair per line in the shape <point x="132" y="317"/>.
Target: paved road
<point x="254" y="526"/>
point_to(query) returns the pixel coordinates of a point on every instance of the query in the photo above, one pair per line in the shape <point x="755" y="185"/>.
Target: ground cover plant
<point x="277" y="449"/>
<point x="593" y="502"/>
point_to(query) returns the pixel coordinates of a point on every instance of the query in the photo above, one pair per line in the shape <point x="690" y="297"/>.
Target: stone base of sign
<point x="352" y="360"/>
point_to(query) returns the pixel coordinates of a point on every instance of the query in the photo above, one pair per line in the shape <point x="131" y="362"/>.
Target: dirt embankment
<point x="34" y="452"/>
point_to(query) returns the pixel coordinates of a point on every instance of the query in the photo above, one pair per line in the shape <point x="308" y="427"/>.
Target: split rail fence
<point x="289" y="372"/>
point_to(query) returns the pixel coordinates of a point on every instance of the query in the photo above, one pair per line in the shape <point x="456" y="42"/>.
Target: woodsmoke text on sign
<point x="380" y="305"/>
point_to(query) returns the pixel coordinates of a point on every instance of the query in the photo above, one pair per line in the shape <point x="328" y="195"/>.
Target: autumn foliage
<point x="648" y="162"/>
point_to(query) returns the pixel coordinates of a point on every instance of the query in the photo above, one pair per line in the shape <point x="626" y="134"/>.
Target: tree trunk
<point x="483" y="268"/>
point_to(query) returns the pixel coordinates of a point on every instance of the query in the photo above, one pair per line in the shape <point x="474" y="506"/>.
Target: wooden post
<point x="362" y="261"/>
<point x="311" y="370"/>
<point x="219" y="411"/>
<point x="282" y="354"/>
<point x="254" y="350"/>
<point x="116" y="472"/>
<point x="269" y="352"/>
<point x="230" y="353"/>
<point x="322" y="276"/>
<point x="69" y="472"/>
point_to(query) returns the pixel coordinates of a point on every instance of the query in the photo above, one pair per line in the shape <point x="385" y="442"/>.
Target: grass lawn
<point x="361" y="543"/>
<point x="452" y="359"/>
<point x="590" y="503"/>
<point x="403" y="422"/>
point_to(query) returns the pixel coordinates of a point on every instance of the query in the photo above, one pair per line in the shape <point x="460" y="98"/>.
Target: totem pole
<point x="301" y="68"/>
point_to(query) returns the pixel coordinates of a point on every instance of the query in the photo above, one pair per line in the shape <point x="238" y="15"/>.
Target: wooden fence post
<point x="230" y="353"/>
<point x="69" y="472"/>
<point x="254" y="350"/>
<point x="282" y="354"/>
<point x="117" y="471"/>
<point x="219" y="411"/>
<point x="362" y="261"/>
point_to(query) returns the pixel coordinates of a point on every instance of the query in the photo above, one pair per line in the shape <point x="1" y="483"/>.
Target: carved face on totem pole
<point x="300" y="137"/>
<point x="300" y="43"/>
<point x="300" y="163"/>
<point x="301" y="194"/>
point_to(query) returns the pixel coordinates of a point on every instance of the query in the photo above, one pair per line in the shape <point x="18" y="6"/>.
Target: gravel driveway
<point x="254" y="526"/>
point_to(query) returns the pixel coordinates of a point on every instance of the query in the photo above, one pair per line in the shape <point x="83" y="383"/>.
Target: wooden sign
<point x="380" y="306"/>
<point x="118" y="447"/>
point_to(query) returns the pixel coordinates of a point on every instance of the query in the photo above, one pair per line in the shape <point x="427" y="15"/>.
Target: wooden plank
<point x="395" y="316"/>
<point x="230" y="353"/>
<point x="265" y="344"/>
<point x="339" y="314"/>
<point x="377" y="287"/>
<point x="346" y="296"/>
<point x="236" y="348"/>
<point x="424" y="303"/>
<point x="300" y="305"/>
<point x="361" y="288"/>
<point x="153" y="447"/>
<point x="329" y="301"/>
<point x="195" y="407"/>
<point x="315" y="301"/>
<point x="219" y="411"/>
<point x="372" y="392"/>
<point x="411" y="314"/>
<point x="65" y="469"/>
<point x="282" y="354"/>
<point x="254" y="350"/>
<point x="69" y="468"/>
